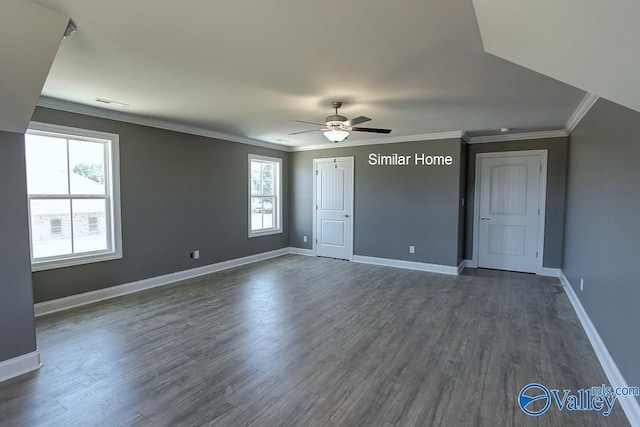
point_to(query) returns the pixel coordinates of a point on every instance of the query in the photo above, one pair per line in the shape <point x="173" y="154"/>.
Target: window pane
<point x="262" y="213"/>
<point x="268" y="217"/>
<point x="50" y="227"/>
<point x="46" y="165"/>
<point x="256" y="177"/>
<point x="89" y="225"/>
<point x="256" y="213"/>
<point x="86" y="161"/>
<point x="267" y="178"/>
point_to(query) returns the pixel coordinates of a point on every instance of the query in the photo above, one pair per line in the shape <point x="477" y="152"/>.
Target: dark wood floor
<point x="311" y="341"/>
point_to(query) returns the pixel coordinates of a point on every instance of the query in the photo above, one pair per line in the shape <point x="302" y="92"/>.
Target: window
<point x="56" y="226"/>
<point x="73" y="193"/>
<point x="265" y="202"/>
<point x="93" y="224"/>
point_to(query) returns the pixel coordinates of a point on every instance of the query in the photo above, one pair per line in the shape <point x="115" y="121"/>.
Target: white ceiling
<point x="592" y="45"/>
<point x="248" y="67"/>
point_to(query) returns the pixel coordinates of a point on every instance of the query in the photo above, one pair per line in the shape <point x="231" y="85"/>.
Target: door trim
<point x="542" y="199"/>
<point x="350" y="159"/>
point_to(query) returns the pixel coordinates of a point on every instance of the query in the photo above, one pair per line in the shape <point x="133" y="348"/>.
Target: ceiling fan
<point x="336" y="127"/>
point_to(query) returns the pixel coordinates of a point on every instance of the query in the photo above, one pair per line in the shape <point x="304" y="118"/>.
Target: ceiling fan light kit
<point x="336" y="135"/>
<point x="337" y="128"/>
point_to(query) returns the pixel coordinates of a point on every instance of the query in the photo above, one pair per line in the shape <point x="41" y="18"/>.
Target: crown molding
<point x="377" y="141"/>
<point x="583" y="108"/>
<point x="57" y="104"/>
<point x="518" y="136"/>
<point x="72" y="107"/>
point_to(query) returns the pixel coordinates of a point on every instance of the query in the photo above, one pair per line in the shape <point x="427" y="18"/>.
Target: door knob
<point x="485" y="219"/>
<point x="346" y="216"/>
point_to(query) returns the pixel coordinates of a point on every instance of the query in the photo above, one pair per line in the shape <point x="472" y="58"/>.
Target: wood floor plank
<point x="294" y="408"/>
<point x="28" y="412"/>
<point x="312" y="341"/>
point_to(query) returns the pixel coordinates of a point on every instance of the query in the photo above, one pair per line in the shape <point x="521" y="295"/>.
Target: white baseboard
<point x="410" y="265"/>
<point x="550" y="272"/>
<point x="629" y="403"/>
<point x="462" y="266"/>
<point x="20" y="365"/>
<point x="300" y="251"/>
<point x="72" y="301"/>
<point x="470" y="263"/>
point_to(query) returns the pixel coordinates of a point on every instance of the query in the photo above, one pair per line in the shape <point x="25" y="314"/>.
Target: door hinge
<point x="540" y="168"/>
<point x="536" y="254"/>
<point x="316" y="207"/>
<point x="316" y="240"/>
<point x="538" y="211"/>
<point x="316" y="173"/>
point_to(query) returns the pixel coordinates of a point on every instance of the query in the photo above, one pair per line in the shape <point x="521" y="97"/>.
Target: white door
<point x="509" y="212"/>
<point x="334" y="207"/>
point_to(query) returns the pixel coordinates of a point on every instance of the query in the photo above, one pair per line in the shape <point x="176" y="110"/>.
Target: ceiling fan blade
<point x="309" y="123"/>
<point x="304" y="131"/>
<point x="375" y="130"/>
<point x="356" y="121"/>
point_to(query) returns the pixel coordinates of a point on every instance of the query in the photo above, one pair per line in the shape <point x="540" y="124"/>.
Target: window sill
<point x="70" y="262"/>
<point x="264" y="233"/>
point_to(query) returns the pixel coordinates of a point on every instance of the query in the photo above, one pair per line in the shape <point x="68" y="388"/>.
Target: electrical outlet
<point x="412" y="249"/>
<point x="304" y="239"/>
<point x="194" y="255"/>
<point x="581" y="284"/>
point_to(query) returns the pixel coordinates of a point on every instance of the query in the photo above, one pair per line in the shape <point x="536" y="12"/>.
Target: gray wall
<point x="395" y="206"/>
<point x="17" y="329"/>
<point x="556" y="187"/>
<point x="179" y="193"/>
<point x="602" y="235"/>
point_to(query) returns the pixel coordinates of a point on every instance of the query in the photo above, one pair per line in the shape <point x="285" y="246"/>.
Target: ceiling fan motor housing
<point x="336" y="127"/>
<point x="335" y="119"/>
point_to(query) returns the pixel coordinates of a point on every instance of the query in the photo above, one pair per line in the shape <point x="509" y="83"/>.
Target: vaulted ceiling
<point x="247" y="68"/>
<point x="592" y="45"/>
<point x="29" y="38"/>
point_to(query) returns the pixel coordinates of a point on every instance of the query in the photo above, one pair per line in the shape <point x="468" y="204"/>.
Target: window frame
<point x="112" y="197"/>
<point x="278" y="196"/>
